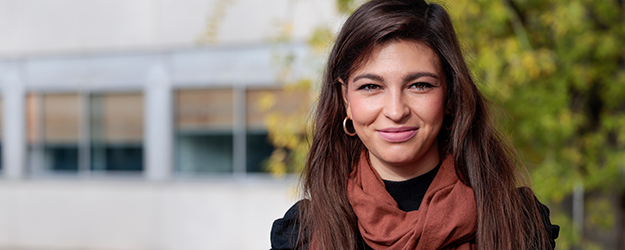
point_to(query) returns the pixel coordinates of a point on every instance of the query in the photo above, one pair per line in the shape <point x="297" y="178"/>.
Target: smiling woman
<point x="396" y="102"/>
<point x="404" y="155"/>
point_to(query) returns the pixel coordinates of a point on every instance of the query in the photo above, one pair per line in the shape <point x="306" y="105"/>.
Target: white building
<point x="119" y="131"/>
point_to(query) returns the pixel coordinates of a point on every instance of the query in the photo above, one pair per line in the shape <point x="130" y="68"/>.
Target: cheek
<point x="433" y="110"/>
<point x="363" y="111"/>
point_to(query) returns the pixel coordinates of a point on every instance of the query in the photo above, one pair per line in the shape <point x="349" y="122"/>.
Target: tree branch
<point x="517" y="25"/>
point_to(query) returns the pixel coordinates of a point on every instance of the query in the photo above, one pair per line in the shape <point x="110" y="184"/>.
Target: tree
<point x="291" y="134"/>
<point x="557" y="69"/>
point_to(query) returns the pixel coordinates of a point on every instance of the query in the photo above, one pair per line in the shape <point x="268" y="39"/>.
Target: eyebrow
<point x="407" y="78"/>
<point x="418" y="75"/>
<point x="369" y="76"/>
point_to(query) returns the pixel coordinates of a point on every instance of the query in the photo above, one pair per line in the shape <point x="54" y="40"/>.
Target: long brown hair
<point x="507" y="217"/>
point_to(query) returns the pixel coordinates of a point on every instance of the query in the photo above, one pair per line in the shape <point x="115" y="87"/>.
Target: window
<point x="204" y="137"/>
<point x="206" y="133"/>
<point x="116" y="132"/>
<point x="53" y="132"/>
<point x="71" y="132"/>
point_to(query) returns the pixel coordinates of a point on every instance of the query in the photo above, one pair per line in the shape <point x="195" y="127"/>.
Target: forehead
<point x="401" y="55"/>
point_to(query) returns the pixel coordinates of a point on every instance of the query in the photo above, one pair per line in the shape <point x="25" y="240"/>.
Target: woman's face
<point x="396" y="101"/>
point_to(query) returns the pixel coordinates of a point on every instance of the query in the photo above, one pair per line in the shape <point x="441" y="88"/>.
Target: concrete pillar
<point x="239" y="132"/>
<point x="14" y="125"/>
<point x="158" y="122"/>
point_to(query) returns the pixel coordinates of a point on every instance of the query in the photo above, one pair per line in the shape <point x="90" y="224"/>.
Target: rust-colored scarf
<point x="446" y="218"/>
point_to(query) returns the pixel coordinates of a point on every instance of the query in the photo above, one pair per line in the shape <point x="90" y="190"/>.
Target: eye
<point x="369" y="86"/>
<point x="421" y="85"/>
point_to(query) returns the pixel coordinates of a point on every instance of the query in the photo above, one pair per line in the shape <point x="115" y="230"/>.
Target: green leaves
<point x="563" y="87"/>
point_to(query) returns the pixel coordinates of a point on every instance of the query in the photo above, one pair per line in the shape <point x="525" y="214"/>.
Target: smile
<point x="398" y="134"/>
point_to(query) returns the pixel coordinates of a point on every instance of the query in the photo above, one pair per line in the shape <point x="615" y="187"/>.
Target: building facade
<point x="119" y="131"/>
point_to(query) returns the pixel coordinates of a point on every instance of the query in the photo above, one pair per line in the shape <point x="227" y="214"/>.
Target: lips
<point x="398" y="134"/>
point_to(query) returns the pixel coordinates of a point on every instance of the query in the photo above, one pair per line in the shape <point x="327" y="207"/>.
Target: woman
<point x="404" y="155"/>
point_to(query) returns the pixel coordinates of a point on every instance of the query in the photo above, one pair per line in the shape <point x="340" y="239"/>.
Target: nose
<point x="396" y="108"/>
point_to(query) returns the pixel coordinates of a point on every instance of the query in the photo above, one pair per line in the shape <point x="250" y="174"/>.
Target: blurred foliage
<point x="556" y="68"/>
<point x="348" y="6"/>
<point x="210" y="33"/>
<point x="290" y="133"/>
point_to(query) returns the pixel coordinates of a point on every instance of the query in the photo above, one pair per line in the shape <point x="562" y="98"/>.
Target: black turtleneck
<point x="409" y="193"/>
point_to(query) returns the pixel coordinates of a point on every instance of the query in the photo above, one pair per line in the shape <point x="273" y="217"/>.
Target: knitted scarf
<point x="446" y="218"/>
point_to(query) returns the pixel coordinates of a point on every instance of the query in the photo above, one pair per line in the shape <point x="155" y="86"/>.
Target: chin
<point x="399" y="159"/>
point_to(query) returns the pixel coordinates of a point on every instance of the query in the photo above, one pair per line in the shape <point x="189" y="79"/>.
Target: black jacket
<point x="284" y="231"/>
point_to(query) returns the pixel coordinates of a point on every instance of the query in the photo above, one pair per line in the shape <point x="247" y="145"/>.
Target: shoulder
<point x="552" y="230"/>
<point x="285" y="231"/>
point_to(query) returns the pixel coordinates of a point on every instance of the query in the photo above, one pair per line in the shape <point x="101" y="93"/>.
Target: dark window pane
<point x="116" y="157"/>
<point x="62" y="158"/>
<point x="124" y="158"/>
<point x="204" y="153"/>
<point x="258" y="150"/>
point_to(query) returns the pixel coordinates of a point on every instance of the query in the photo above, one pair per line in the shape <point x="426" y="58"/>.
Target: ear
<point x="348" y="109"/>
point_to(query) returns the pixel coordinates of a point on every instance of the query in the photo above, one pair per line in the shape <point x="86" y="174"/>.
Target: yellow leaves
<point x="529" y="62"/>
<point x="499" y="12"/>
<point x="285" y="129"/>
<point x="321" y="39"/>
<point x="276" y="163"/>
<point x="301" y="84"/>
<point x="547" y="61"/>
<point x="289" y="137"/>
<point x="287" y="126"/>
<point x="567" y="17"/>
<point x="213" y="22"/>
<point x="286" y="29"/>
<point x="289" y="130"/>
<point x="266" y="101"/>
<point x="472" y="8"/>
<point x="532" y="65"/>
<point x="511" y="47"/>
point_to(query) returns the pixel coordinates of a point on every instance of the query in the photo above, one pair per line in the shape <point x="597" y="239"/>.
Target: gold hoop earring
<point x="345" y="126"/>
